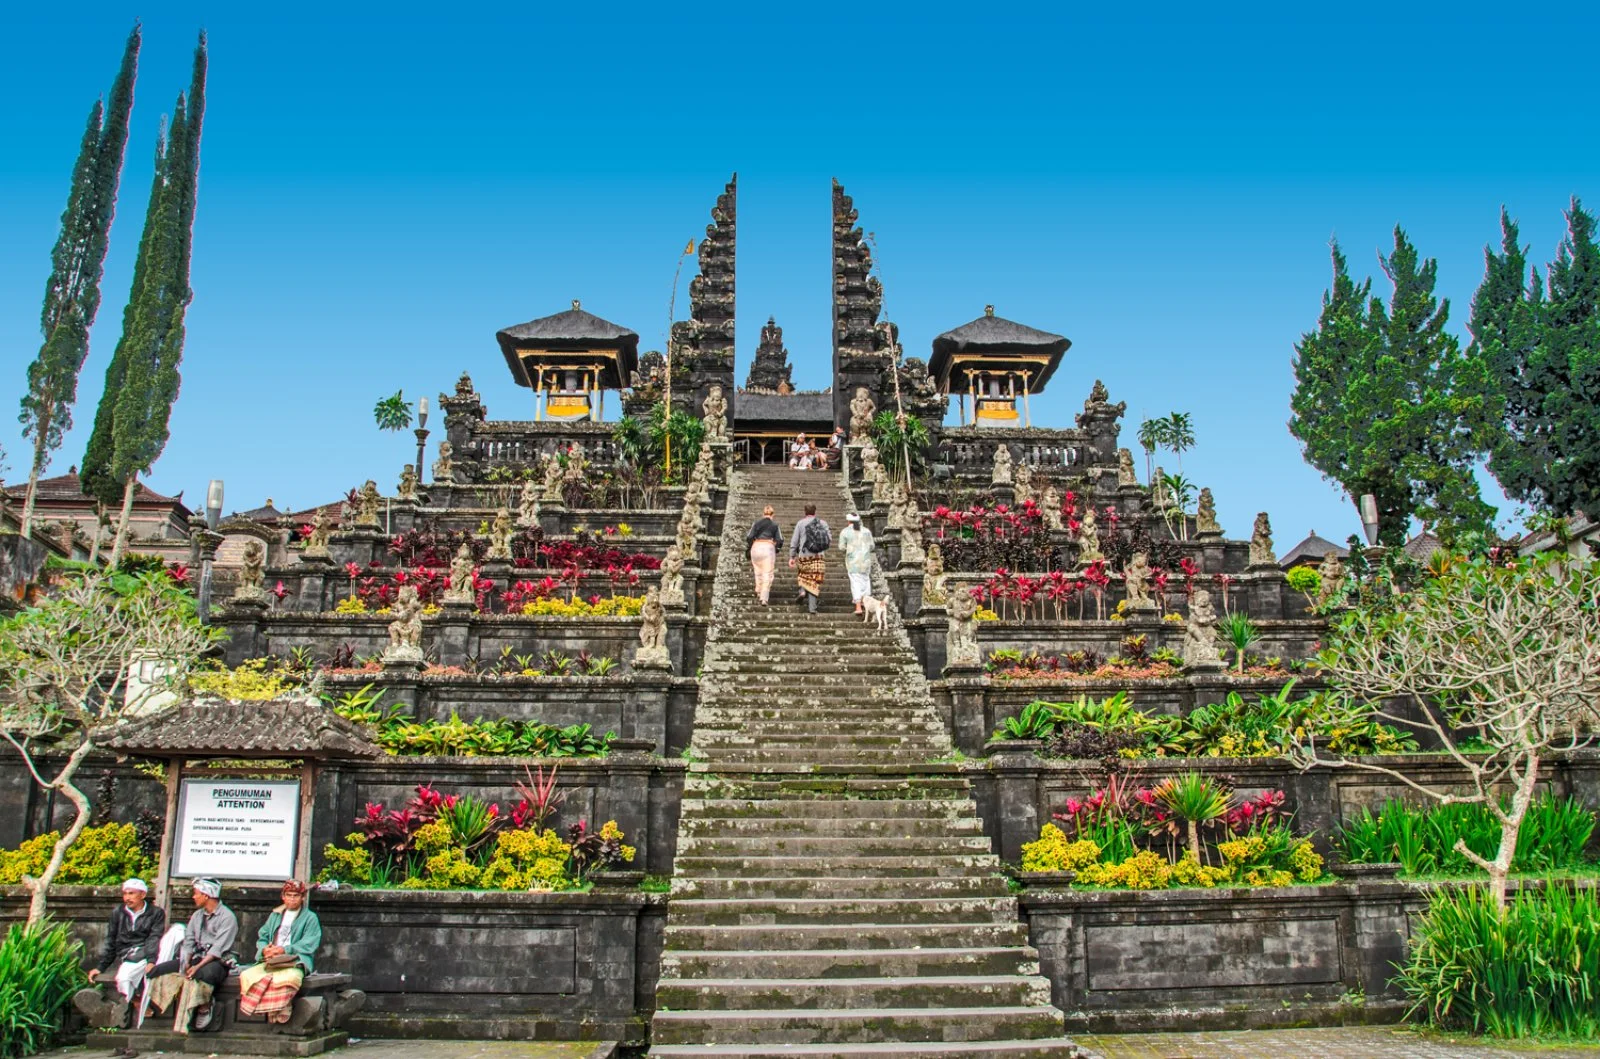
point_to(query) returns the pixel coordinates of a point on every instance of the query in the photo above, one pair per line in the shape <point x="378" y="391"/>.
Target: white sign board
<point x="237" y="829"/>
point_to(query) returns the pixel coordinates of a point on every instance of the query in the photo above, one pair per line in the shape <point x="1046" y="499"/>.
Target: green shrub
<point x="1532" y="971"/>
<point x="102" y="856"/>
<point x="1555" y="833"/>
<point x="40" y="969"/>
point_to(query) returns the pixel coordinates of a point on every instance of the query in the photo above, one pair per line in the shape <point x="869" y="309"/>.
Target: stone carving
<point x="770" y="372"/>
<point x="577" y="469"/>
<point x="702" y="346"/>
<point x="1022" y="480"/>
<point x="444" y="468"/>
<point x="500" y="533"/>
<point x="251" y="574"/>
<point x="347" y="515"/>
<point x="1261" y="553"/>
<point x="715" y="415"/>
<point x="1331" y="570"/>
<point x="672" y="577"/>
<point x="1205" y="519"/>
<point x="1126" y="475"/>
<point x="933" y="577"/>
<point x="322" y="527"/>
<point x="689" y="531"/>
<point x="1002" y="465"/>
<point x="528" y="504"/>
<point x="652" y="652"/>
<point x="367" y="502"/>
<point x="1200" y="633"/>
<point x="897" y="505"/>
<point x="552" y="481"/>
<point x="862" y="409"/>
<point x="407" y="489"/>
<point x="1050" y="506"/>
<point x="1158" y="491"/>
<point x="1088" y="540"/>
<point x="461" y="587"/>
<point x="1136" y="580"/>
<point x="405" y="632"/>
<point x="961" y="634"/>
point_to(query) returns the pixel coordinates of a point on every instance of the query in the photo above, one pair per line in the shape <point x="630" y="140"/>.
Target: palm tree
<point x="392" y="413"/>
<point x="1152" y="435"/>
<point x="1178" y="435"/>
<point x="1179" y="491"/>
<point x="1241" y="634"/>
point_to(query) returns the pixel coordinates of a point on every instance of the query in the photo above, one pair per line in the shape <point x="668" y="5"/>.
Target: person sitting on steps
<point x="133" y="936"/>
<point x="203" y="961"/>
<point x="807" y="546"/>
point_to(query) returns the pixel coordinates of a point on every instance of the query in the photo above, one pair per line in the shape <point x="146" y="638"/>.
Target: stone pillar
<point x="1004" y="494"/>
<point x="242" y="620"/>
<point x="935" y="623"/>
<point x="970" y="724"/>
<point x="1015" y="773"/>
<point x="313" y="583"/>
<point x="627" y="797"/>
<point x="1266" y="586"/>
<point x="645" y="715"/>
<point x="677" y="627"/>
<point x="452" y="635"/>
<point x="907" y="583"/>
<point x="551" y="515"/>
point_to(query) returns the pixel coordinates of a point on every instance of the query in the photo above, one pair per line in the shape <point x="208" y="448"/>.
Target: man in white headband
<point x="133" y="936"/>
<point x="202" y="964"/>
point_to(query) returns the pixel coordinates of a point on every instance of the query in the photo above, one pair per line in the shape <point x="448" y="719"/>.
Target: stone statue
<point x="1098" y="394"/>
<point x="872" y="470"/>
<point x="933" y="577"/>
<point x="461" y="587"/>
<point x="322" y="526"/>
<point x="714" y="411"/>
<point x="897" y="505"/>
<point x="1050" y="505"/>
<point x="367" y="502"/>
<point x="672" y="577"/>
<point x="961" y="634"/>
<point x="1022" y="479"/>
<point x="407" y="489"/>
<point x="1135" y="579"/>
<point x="347" y="516"/>
<point x="444" y="468"/>
<point x="1125" y="472"/>
<point x="528" y="504"/>
<point x="1200" y="634"/>
<point x="1205" y="519"/>
<point x="861" y="411"/>
<point x="500" y="532"/>
<point x="1002" y="465"/>
<point x="1261" y="553"/>
<point x="1088" y="540"/>
<point x="688" y="530"/>
<point x="577" y="469"/>
<point x="652" y="652"/>
<point x="251" y="574"/>
<point x="1331" y="570"/>
<point x="1158" y="491"/>
<point x="405" y="632"/>
<point x="552" y="481"/>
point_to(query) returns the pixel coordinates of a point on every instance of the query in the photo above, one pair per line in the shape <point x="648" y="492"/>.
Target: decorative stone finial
<point x="988" y="310"/>
<point x="576" y="304"/>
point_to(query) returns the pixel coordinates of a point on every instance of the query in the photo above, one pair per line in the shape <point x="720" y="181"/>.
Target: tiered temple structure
<point x="703" y="345"/>
<point x="990" y="363"/>
<point x="770" y="373"/>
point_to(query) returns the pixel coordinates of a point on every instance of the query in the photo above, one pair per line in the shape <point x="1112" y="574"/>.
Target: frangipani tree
<point x="1508" y="653"/>
<point x="97" y="647"/>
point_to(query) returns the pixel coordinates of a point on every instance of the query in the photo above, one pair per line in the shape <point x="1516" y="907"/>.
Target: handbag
<point x="281" y="962"/>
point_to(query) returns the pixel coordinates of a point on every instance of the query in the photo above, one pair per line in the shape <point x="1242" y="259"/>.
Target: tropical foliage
<point x="1423" y="841"/>
<point x="40" y="969"/>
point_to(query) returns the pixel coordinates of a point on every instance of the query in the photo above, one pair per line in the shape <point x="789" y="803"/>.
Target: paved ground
<point x="1356" y="1042"/>
<point x="380" y="1049"/>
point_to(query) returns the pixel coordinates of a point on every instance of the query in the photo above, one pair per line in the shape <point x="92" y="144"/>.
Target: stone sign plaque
<point x="237" y="829"/>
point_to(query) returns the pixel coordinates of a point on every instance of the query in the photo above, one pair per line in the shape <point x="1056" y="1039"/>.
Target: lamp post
<point x="1369" y="518"/>
<point x="422" y="432"/>
<point x="209" y="539"/>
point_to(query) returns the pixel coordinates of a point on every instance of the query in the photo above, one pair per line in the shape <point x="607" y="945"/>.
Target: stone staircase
<point x="834" y="892"/>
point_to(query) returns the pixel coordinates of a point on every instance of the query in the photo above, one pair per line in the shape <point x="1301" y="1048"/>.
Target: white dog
<point x="876" y="610"/>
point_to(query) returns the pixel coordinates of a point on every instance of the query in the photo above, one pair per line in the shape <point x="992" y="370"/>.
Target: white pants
<point x="129" y="976"/>
<point x="860" y="586"/>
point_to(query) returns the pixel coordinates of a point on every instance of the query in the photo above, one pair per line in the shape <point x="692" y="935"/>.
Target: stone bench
<point x="321" y="1007"/>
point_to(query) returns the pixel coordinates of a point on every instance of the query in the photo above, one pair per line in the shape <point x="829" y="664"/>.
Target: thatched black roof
<point x="995" y="335"/>
<point x="803" y="410"/>
<point x="574" y="330"/>
<point x="1313" y="548"/>
<point x="291" y="728"/>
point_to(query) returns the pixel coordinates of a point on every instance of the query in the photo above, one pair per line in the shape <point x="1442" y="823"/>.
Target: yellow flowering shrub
<point x="351" y="605"/>
<point x="1052" y="852"/>
<point x="447" y="869"/>
<point x="352" y="865"/>
<point x="612" y="831"/>
<point x="1142" y="871"/>
<point x="1190" y="872"/>
<point x="529" y="860"/>
<point x="101" y="855"/>
<point x="985" y="614"/>
<point x="609" y="606"/>
<point x="1238" y="851"/>
<point x="249" y="683"/>
<point x="431" y="838"/>
<point x="1306" y="862"/>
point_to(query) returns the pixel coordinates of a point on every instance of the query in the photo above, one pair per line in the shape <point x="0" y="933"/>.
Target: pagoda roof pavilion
<point x="574" y="339"/>
<point x="993" y="343"/>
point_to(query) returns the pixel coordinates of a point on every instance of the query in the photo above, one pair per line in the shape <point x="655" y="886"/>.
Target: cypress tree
<point x="72" y="294"/>
<point x="1385" y="403"/>
<point x="1542" y="356"/>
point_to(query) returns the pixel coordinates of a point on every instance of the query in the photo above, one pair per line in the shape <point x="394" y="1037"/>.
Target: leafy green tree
<point x="1542" y="361"/>
<point x="900" y="438"/>
<point x="1386" y="403"/>
<point x="131" y="424"/>
<point x="392" y="413"/>
<point x="72" y="294"/>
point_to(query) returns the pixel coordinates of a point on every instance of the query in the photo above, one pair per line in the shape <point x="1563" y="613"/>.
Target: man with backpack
<point x="807" y="546"/>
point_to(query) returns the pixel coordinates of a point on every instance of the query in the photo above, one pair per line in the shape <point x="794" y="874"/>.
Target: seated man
<point x="202" y="963"/>
<point x="133" y="936"/>
<point x="285" y="946"/>
<point x="835" y="447"/>
<point x="800" y="453"/>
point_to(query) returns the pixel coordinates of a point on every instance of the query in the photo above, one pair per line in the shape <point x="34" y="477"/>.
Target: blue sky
<point x="383" y="189"/>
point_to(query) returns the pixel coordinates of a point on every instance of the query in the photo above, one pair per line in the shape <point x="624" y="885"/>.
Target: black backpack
<point x="817" y="538"/>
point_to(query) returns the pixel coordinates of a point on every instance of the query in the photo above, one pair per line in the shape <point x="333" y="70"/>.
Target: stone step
<point x="802" y="720"/>
<point x="841" y="964"/>
<point x="823" y="787"/>
<point x="812" y="994"/>
<point x="813" y="808"/>
<point x="793" y="1026"/>
<point x="880" y="867"/>
<point x="769" y="938"/>
<point x="909" y="888"/>
<point x="1040" y="1049"/>
<point x="824" y="744"/>
<point x="767" y="826"/>
<point x="832" y="846"/>
<point x="716" y="758"/>
<point x="741" y="912"/>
